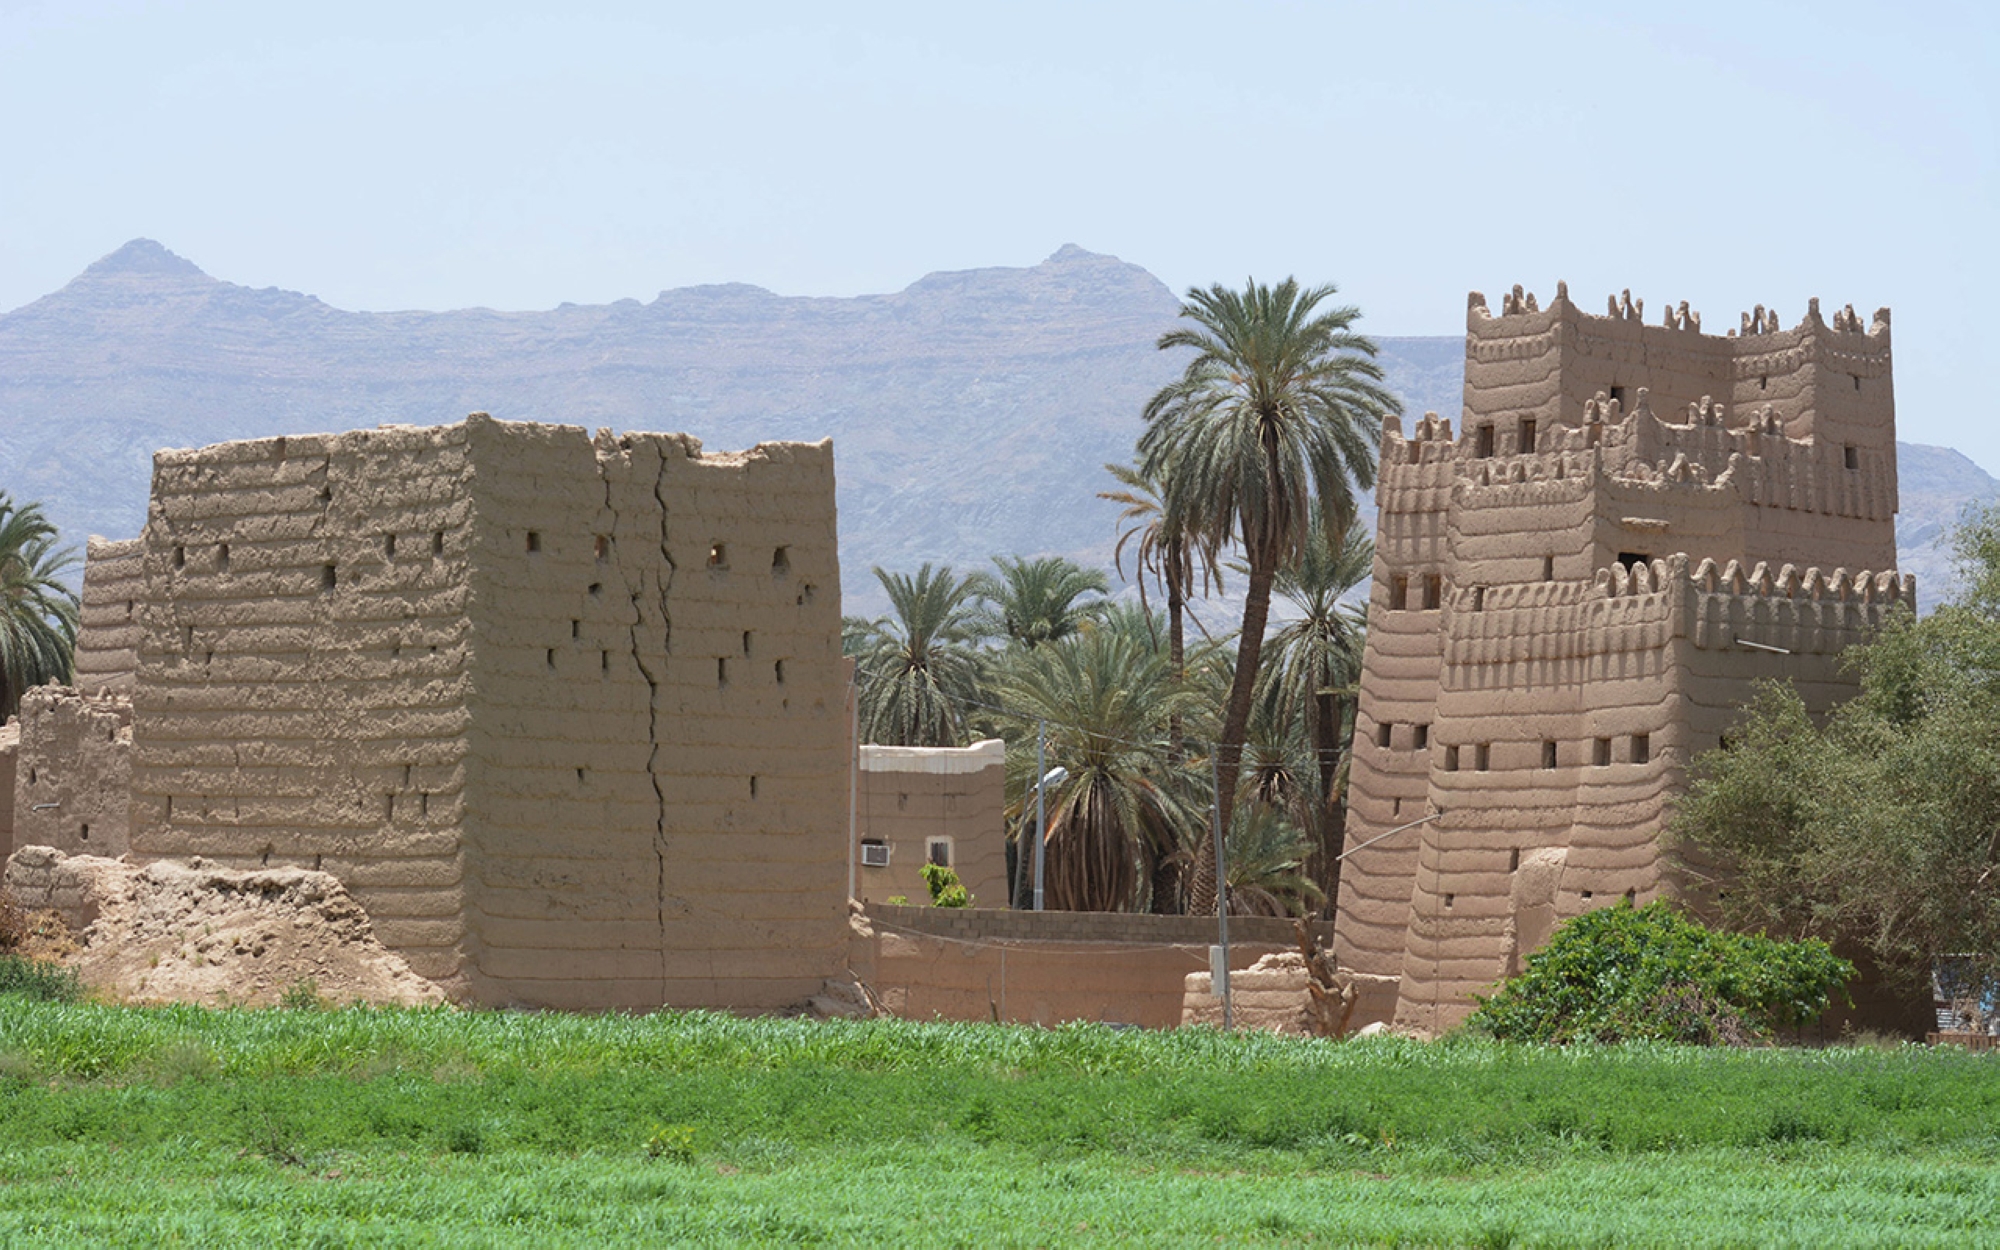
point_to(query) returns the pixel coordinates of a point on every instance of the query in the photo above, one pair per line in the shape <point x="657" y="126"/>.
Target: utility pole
<point x="1219" y="973"/>
<point x="1041" y="809"/>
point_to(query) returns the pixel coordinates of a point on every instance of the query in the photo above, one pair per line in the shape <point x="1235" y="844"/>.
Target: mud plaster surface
<point x="192" y="932"/>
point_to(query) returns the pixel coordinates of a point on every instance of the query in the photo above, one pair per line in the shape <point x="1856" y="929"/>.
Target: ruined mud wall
<point x="563" y="715"/>
<point x="73" y="772"/>
<point x="304" y="670"/>
<point x="911" y="797"/>
<point x="107" y="639"/>
<point x="10" y="747"/>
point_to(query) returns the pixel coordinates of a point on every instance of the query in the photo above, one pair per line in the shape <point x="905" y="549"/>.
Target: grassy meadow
<point x="357" y="1126"/>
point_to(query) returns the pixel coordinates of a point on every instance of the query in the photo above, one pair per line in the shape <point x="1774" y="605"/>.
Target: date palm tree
<point x="1278" y="409"/>
<point x="919" y="668"/>
<point x="1036" y="601"/>
<point x="1167" y="550"/>
<point x="1105" y="695"/>
<point x="1313" y="667"/>
<point x="38" y="613"/>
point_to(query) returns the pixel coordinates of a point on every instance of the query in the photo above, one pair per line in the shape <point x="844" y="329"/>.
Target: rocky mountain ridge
<point x="972" y="411"/>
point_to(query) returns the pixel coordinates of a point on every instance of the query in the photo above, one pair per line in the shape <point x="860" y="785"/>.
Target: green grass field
<point x="370" y="1127"/>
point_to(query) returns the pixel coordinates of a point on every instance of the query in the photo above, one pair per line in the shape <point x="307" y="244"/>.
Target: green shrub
<point x="1625" y="974"/>
<point x="39" y="979"/>
<point x="946" y="891"/>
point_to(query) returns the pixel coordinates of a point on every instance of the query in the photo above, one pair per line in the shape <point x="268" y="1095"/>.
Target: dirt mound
<point x="188" y="931"/>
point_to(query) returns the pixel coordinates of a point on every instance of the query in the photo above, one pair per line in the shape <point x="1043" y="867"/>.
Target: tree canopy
<point x="38" y="612"/>
<point x="1879" y="829"/>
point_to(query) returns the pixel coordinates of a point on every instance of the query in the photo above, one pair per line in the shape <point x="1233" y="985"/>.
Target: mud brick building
<point x="564" y="713"/>
<point x="1571" y="598"/>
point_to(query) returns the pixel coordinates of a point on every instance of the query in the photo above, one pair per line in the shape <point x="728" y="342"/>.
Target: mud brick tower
<point x="1571" y="599"/>
<point x="564" y="713"/>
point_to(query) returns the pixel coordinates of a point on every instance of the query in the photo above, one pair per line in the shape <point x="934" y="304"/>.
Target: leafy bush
<point x="1626" y="974"/>
<point x="39" y="979"/>
<point x="946" y="891"/>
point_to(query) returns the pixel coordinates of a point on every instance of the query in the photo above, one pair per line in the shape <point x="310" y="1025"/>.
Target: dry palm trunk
<point x="1330" y="993"/>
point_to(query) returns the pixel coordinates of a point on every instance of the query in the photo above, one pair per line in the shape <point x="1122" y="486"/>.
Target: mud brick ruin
<point x="566" y="715"/>
<point x="1571" y="599"/>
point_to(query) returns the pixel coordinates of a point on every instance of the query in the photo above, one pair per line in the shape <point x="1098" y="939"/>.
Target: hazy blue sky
<point x="439" y="155"/>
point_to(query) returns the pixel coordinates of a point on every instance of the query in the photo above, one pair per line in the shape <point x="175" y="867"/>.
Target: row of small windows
<point x="1479" y="756"/>
<point x="718" y="554"/>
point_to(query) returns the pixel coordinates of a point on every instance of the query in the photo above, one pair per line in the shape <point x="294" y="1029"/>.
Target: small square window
<point x="534" y="541"/>
<point x="1851" y="456"/>
<point x="1423" y="736"/>
<point x="1548" y="755"/>
<point x="1482" y="756"/>
<point x="1485" y="450"/>
<point x="1433" y="591"/>
<point x="1527" y="436"/>
<point x="718" y="557"/>
<point x="1601" y="756"/>
<point x="1548" y="568"/>
<point x="1399" y="592"/>
<point x="1451" y="759"/>
<point x="1382" y="734"/>
<point x="1642" y="748"/>
<point x="1479" y="598"/>
<point x="938" y="851"/>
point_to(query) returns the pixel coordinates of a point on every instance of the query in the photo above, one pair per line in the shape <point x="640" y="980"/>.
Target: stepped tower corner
<point x="1572" y="594"/>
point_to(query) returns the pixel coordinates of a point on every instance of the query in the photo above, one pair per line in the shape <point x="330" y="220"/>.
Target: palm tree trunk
<point x="1326" y="747"/>
<point x="1177" y="655"/>
<point x="1235" y="723"/>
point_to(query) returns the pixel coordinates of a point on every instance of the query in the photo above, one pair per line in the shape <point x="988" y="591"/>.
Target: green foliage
<point x="303" y="995"/>
<point x="1873" y="830"/>
<point x="672" y="1142"/>
<point x="1107" y="695"/>
<point x="38" y="979"/>
<point x="1266" y="853"/>
<point x="1033" y="602"/>
<point x="945" y="887"/>
<point x="449" y="1126"/>
<point x="919" y="669"/>
<point x="1629" y="974"/>
<point x="38" y="613"/>
<point x="1264" y="437"/>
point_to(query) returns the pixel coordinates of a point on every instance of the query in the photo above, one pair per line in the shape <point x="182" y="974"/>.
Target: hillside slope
<point x="972" y="410"/>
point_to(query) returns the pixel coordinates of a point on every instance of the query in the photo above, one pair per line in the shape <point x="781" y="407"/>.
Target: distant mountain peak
<point x="144" y="256"/>
<point x="1069" y="253"/>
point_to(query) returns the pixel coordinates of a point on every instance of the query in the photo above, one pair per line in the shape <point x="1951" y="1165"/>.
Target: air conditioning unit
<point x="875" y="854"/>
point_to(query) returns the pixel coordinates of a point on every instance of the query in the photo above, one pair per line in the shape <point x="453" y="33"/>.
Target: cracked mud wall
<point x="564" y="715"/>
<point x="658" y="744"/>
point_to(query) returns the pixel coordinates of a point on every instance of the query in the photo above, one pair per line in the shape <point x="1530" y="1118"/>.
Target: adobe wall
<point x="73" y="772"/>
<point x="10" y="747"/>
<point x="908" y="797"/>
<point x="303" y="686"/>
<point x="107" y="638"/>
<point x="1045" y="968"/>
<point x="1505" y="624"/>
<point x="563" y="713"/>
